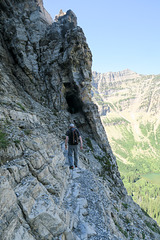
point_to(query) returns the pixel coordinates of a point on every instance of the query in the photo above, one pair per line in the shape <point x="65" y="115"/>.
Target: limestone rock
<point x="39" y="209"/>
<point x="45" y="84"/>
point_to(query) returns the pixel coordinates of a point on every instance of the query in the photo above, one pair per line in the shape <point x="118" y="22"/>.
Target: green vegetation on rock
<point x="4" y="142"/>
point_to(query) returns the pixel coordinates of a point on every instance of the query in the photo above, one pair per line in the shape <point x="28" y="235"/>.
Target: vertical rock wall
<point x="52" y="61"/>
<point x="45" y="84"/>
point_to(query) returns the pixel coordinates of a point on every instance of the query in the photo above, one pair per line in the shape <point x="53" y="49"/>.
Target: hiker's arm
<point x="81" y="142"/>
<point x="66" y="141"/>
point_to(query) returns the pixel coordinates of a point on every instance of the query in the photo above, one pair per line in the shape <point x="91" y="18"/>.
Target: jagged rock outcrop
<point x="45" y="83"/>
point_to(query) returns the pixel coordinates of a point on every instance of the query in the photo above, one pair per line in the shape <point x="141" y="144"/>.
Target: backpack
<point x="74" y="136"/>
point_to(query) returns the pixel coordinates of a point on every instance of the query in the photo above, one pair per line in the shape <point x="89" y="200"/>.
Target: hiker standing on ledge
<point x="72" y="137"/>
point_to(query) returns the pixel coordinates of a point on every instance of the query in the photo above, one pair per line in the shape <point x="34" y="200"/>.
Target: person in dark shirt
<point x="71" y="141"/>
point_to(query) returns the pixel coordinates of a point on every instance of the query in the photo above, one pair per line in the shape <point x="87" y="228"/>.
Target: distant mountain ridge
<point x="129" y="106"/>
<point x="116" y="75"/>
<point x="129" y="90"/>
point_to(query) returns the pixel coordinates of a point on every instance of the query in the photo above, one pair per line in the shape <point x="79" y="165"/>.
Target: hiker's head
<point x="71" y="125"/>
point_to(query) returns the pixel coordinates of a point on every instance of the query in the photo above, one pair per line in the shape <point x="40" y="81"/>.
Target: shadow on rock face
<point x="74" y="103"/>
<point x="73" y="99"/>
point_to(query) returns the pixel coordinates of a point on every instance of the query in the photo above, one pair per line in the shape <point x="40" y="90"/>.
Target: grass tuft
<point x="4" y="142"/>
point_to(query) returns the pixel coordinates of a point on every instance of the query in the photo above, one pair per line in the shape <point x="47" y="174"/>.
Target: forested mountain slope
<point x="129" y="106"/>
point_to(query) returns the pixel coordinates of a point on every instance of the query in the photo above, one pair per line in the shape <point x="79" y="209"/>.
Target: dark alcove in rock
<point x="73" y="100"/>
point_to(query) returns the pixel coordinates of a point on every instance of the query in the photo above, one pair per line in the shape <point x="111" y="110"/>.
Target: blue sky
<point x="120" y="33"/>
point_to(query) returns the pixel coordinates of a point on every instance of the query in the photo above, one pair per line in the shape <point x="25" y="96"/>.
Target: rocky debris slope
<point x="45" y="76"/>
<point x="97" y="213"/>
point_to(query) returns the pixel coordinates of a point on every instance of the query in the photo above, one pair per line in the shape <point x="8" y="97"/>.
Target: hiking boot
<point x="71" y="167"/>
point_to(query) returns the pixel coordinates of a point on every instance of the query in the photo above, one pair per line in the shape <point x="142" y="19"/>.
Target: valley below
<point x="129" y="104"/>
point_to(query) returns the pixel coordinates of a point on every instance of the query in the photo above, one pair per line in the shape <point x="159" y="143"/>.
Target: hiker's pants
<point x="73" y="149"/>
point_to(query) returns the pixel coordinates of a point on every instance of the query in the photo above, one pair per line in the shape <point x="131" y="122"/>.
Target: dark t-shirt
<point x="69" y="134"/>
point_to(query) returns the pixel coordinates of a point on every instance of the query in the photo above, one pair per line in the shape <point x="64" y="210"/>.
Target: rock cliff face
<point x="45" y="84"/>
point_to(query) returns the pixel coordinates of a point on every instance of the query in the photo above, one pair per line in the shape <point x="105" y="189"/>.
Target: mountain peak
<point x="125" y="71"/>
<point x="68" y="17"/>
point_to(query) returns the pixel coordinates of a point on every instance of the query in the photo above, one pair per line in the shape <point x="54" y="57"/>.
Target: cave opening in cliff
<point x="74" y="102"/>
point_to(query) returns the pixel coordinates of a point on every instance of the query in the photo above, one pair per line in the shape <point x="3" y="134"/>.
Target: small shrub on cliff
<point x="143" y="235"/>
<point x="106" y="165"/>
<point x="89" y="144"/>
<point x="105" y="162"/>
<point x="120" y="228"/>
<point x="16" y="141"/>
<point x="3" y="140"/>
<point x="22" y="108"/>
<point x="154" y="227"/>
<point x="125" y="205"/>
<point x="28" y="132"/>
